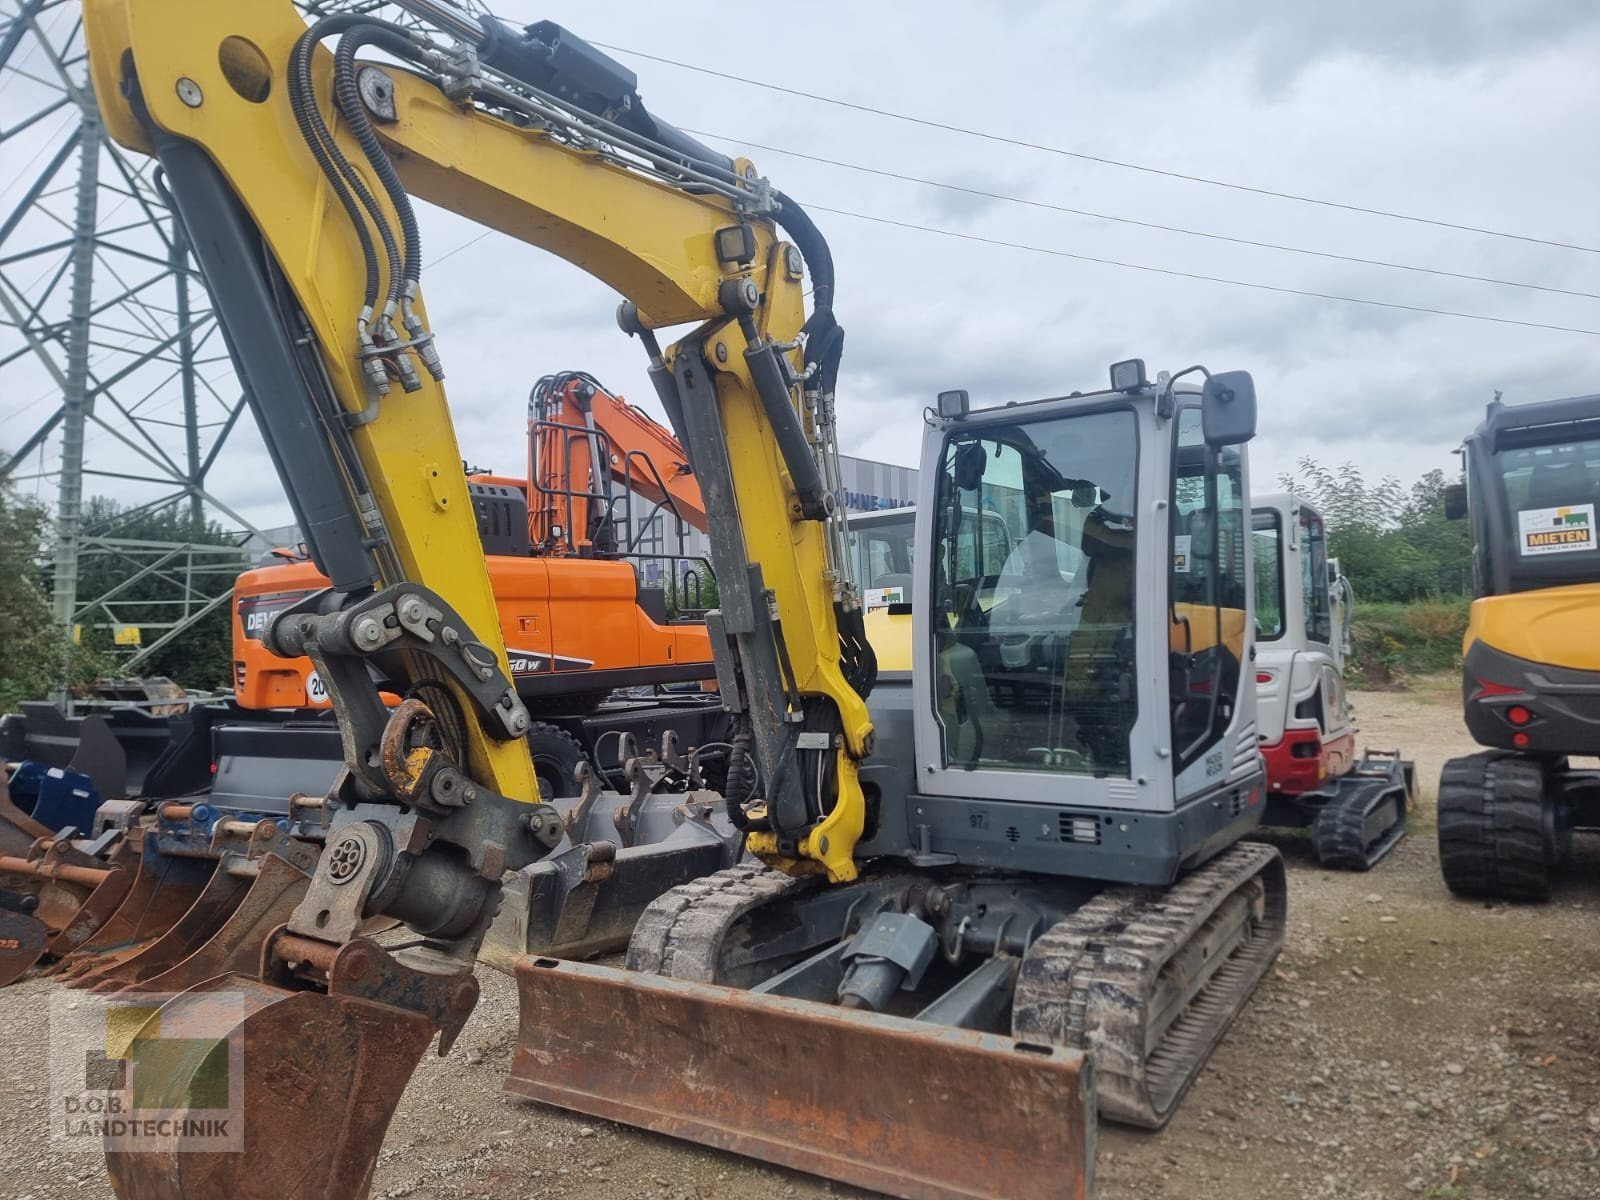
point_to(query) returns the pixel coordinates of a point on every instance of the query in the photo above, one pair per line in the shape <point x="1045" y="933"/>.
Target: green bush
<point x="1393" y="642"/>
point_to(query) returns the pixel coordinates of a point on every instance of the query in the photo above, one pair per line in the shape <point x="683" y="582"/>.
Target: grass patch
<point x="1392" y="644"/>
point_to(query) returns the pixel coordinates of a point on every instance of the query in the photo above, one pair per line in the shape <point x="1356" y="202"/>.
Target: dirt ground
<point x="1406" y="1044"/>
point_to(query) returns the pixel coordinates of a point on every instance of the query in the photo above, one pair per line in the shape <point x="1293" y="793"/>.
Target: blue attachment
<point x="55" y="796"/>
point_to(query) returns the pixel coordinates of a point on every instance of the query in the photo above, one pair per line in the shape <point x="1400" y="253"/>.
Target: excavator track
<point x="681" y="933"/>
<point x="1363" y="822"/>
<point x="1148" y="980"/>
<point x="1496" y="836"/>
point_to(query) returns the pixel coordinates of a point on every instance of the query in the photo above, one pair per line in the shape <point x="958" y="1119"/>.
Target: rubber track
<point x="682" y="931"/>
<point x="1087" y="982"/>
<point x="1337" y="836"/>
<point x="1492" y="828"/>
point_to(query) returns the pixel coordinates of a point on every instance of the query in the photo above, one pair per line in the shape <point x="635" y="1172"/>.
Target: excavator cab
<point x="1052" y="682"/>
<point x="1531" y="662"/>
<point x="1355" y="808"/>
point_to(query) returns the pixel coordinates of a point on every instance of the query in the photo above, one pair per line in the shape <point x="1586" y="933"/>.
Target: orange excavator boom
<point x="582" y="439"/>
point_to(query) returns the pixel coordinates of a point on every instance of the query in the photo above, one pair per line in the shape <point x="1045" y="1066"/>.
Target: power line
<point x="472" y="241"/>
<point x="1131" y="266"/>
<point x="1004" y="140"/>
<point x="1199" y="233"/>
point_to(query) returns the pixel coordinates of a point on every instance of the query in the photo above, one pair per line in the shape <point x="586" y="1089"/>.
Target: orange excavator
<point x="565" y="547"/>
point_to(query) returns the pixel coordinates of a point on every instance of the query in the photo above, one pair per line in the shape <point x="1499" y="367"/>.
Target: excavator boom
<point x="581" y="439"/>
<point x="292" y="164"/>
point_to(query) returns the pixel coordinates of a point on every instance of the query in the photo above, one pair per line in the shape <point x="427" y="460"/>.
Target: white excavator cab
<point x="1355" y="807"/>
<point x="1303" y="609"/>
<point x="1081" y="633"/>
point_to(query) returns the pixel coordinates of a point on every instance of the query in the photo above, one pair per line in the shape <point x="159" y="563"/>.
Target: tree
<point x="35" y="653"/>
<point x="1393" y="543"/>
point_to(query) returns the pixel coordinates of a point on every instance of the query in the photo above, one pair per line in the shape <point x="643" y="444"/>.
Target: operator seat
<point x="1556" y="485"/>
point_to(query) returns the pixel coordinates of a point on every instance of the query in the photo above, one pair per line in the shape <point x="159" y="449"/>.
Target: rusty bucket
<point x="319" y="1074"/>
<point x="68" y="895"/>
<point x="164" y="887"/>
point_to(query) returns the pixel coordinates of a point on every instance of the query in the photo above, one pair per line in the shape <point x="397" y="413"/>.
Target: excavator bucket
<point x="290" y="1055"/>
<point x="219" y="897"/>
<point x="916" y="1111"/>
<point x="18" y="831"/>
<point x="22" y="936"/>
<point x="279" y="885"/>
<point x="164" y="888"/>
<point x="55" y="899"/>
<point x="239" y="847"/>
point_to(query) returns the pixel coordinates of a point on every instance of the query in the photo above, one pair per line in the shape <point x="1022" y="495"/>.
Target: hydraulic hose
<point x="341" y="176"/>
<point x="737" y="788"/>
<point x="824" y="337"/>
<point x="348" y="97"/>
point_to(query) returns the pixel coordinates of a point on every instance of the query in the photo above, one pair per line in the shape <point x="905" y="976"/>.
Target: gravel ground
<point x="1406" y="1044"/>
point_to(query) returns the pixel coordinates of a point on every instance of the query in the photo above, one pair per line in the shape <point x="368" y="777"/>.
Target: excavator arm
<point x="292" y="166"/>
<point x="580" y="439"/>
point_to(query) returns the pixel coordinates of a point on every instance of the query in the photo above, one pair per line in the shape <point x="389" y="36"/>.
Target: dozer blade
<point x="316" y="1076"/>
<point x="918" y="1111"/>
<point x="163" y="889"/>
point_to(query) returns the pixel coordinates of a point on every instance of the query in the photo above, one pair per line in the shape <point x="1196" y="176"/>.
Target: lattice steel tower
<point x="111" y="363"/>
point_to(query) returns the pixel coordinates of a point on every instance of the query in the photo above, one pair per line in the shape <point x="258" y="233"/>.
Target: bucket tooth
<point x="914" y="1110"/>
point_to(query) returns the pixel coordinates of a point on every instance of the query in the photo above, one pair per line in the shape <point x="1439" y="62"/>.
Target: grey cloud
<point x="1278" y="41"/>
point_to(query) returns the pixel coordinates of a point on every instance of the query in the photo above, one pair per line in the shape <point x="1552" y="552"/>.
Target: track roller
<point x="1148" y="980"/>
<point x="1498" y="839"/>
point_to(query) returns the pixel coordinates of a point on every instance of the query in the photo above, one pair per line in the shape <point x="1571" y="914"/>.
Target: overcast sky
<point x="1474" y="112"/>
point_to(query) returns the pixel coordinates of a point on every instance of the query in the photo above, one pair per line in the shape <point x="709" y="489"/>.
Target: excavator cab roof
<point x="1513" y="425"/>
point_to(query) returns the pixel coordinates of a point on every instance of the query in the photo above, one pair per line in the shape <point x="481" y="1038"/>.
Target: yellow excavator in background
<point x="1031" y="882"/>
<point x="1530" y="687"/>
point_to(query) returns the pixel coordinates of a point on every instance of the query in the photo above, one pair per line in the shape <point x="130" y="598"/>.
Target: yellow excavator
<point x="1530" y="687"/>
<point x="1019" y="894"/>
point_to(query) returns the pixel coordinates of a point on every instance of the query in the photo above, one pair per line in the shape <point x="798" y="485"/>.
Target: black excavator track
<point x="1148" y="980"/>
<point x="1496" y="833"/>
<point x="1365" y="818"/>
<point x="682" y="932"/>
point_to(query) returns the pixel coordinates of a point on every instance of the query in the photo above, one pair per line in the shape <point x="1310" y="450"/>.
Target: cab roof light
<point x="1128" y="375"/>
<point x="953" y="405"/>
